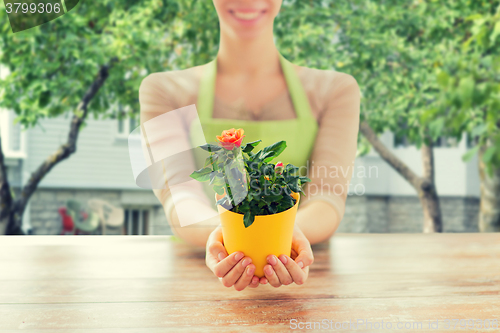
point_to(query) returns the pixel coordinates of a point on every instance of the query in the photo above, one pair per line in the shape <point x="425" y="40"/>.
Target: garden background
<point x="429" y="73"/>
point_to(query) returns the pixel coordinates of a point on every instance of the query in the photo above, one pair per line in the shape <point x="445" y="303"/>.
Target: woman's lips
<point x="247" y="16"/>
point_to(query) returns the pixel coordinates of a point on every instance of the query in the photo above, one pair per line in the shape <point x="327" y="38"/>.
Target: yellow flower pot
<point x="269" y="234"/>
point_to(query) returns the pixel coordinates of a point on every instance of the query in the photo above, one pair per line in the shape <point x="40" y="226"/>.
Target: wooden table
<point x="157" y="284"/>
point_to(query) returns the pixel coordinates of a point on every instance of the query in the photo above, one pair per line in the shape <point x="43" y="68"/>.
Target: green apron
<point x="299" y="133"/>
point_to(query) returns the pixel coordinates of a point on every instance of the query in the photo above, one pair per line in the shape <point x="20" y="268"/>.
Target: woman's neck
<point x="249" y="57"/>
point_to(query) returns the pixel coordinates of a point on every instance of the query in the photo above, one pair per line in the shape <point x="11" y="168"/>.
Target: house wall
<point x="454" y="178"/>
<point x="364" y="214"/>
<point x="44" y="205"/>
<point x="100" y="168"/>
<point x="101" y="160"/>
<point x="403" y="214"/>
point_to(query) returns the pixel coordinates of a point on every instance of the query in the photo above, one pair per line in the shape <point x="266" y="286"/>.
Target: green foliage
<point x="469" y="83"/>
<point x="52" y="66"/>
<point x="252" y="186"/>
<point x="426" y="68"/>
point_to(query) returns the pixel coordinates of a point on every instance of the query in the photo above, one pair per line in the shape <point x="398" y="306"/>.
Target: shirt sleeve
<point x="332" y="160"/>
<point x="162" y="93"/>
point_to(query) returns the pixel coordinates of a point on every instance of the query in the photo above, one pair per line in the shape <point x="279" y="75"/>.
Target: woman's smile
<point x="247" y="16"/>
<point x="247" y="19"/>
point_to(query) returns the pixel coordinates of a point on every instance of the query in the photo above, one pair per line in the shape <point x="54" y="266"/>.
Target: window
<point x="136" y="221"/>
<point x="401" y="142"/>
<point x="125" y="124"/>
<point x="442" y="142"/>
<point x="13" y="137"/>
<point x="471" y="140"/>
<point x="445" y="142"/>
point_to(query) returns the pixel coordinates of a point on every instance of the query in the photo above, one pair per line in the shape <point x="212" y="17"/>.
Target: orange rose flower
<point x="231" y="138"/>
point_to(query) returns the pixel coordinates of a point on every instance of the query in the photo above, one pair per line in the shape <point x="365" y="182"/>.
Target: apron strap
<point x="206" y="93"/>
<point x="297" y="93"/>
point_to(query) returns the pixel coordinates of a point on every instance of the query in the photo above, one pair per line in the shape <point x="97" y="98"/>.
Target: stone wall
<point x="44" y="205"/>
<point x="382" y="214"/>
<point x="364" y="214"/>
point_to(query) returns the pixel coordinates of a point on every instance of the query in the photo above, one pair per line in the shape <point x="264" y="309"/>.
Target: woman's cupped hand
<point x="285" y="270"/>
<point x="236" y="270"/>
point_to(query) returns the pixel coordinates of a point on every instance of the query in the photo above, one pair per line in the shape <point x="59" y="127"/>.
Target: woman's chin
<point x="250" y="32"/>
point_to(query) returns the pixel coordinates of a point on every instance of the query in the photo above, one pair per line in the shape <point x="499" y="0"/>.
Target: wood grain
<point x="153" y="284"/>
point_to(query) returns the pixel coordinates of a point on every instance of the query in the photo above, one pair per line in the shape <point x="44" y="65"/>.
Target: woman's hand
<point x="233" y="270"/>
<point x="286" y="270"/>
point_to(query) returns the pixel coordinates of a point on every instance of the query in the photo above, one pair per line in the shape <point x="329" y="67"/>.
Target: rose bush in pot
<point x="257" y="200"/>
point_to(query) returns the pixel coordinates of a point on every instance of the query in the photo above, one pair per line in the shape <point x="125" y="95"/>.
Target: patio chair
<point x="68" y="226"/>
<point x="83" y="221"/>
<point x="109" y="215"/>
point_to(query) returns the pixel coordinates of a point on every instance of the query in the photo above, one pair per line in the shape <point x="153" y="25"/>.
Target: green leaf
<point x="495" y="33"/>
<point x="489" y="153"/>
<point x="217" y="178"/>
<point x="272" y="208"/>
<point x="272" y="198"/>
<point x="244" y="207"/>
<point x="473" y="17"/>
<point x="222" y="201"/>
<point x="268" y="156"/>
<point x="479" y="130"/>
<point x="443" y="78"/>
<point x="277" y="148"/>
<point x="210" y="160"/>
<point x="304" y="180"/>
<point x="250" y="146"/>
<point x="248" y="219"/>
<point x="294" y="185"/>
<point x="290" y="201"/>
<point x="470" y="153"/>
<point x="211" y="147"/>
<point x="202" y="175"/>
<point x="291" y="169"/>
<point x="219" y="190"/>
<point x="466" y="90"/>
<point x="436" y="128"/>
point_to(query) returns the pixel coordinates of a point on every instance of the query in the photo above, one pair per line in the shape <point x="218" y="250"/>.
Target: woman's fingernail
<point x="301" y="264"/>
<point x="238" y="256"/>
<point x="246" y="262"/>
<point x="272" y="260"/>
<point x="283" y="259"/>
<point x="221" y="256"/>
<point x="269" y="271"/>
<point x="250" y="271"/>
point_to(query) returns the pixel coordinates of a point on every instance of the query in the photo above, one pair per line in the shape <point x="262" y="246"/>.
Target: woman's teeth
<point x="246" y="16"/>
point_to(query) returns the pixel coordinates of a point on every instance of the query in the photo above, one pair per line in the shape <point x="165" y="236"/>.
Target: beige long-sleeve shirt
<point x="334" y="98"/>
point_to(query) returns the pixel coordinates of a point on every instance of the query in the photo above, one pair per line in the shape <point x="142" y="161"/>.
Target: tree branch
<point x="389" y="157"/>
<point x="65" y="150"/>
<point x="428" y="163"/>
<point x="5" y="195"/>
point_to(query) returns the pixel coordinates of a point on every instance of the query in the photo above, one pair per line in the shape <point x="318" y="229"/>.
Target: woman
<point x="250" y="83"/>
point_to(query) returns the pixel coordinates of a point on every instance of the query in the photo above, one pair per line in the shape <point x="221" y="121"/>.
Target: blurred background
<point x="429" y="144"/>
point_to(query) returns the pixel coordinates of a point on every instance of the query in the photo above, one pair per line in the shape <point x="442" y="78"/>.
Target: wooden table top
<point x="157" y="284"/>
